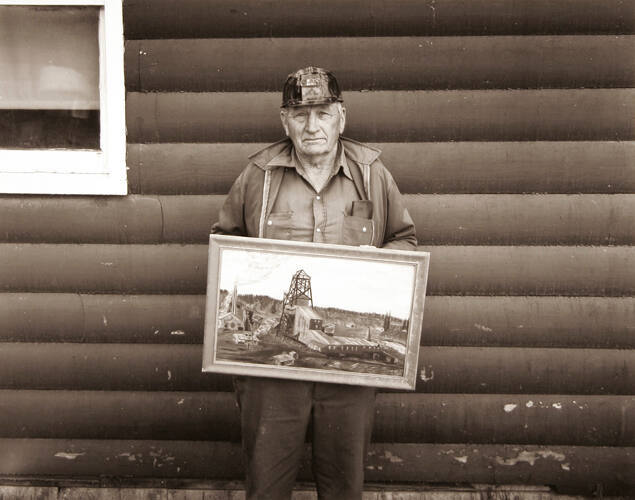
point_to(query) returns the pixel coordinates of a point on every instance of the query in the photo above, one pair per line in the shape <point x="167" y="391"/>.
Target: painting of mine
<point x="313" y="312"/>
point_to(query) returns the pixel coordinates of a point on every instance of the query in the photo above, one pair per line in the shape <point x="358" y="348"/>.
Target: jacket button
<point x="364" y="229"/>
<point x="269" y="222"/>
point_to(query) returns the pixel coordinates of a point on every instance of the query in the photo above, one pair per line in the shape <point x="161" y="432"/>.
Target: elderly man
<point x="312" y="186"/>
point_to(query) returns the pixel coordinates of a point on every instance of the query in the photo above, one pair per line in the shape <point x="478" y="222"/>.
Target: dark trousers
<point x="275" y="415"/>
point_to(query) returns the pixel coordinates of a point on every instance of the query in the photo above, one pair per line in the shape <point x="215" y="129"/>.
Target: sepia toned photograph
<point x="318" y="142"/>
<point x="314" y="312"/>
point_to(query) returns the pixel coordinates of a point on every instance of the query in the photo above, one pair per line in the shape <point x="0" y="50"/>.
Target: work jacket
<point x="253" y="194"/>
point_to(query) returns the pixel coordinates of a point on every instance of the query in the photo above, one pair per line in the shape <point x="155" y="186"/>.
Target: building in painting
<point x="229" y="321"/>
<point x="308" y="328"/>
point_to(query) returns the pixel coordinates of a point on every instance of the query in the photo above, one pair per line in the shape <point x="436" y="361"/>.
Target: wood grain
<point x="400" y="418"/>
<point x="393" y="116"/>
<point x="420" y="167"/>
<point x="456" y="370"/>
<point x="570" y="469"/>
<point x="439" y="219"/>
<point x="257" y="18"/>
<point x="382" y="63"/>
<point x="454" y="270"/>
<point x="573" y="322"/>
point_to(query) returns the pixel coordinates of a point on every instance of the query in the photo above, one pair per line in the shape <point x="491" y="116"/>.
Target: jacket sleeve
<point x="399" y="233"/>
<point x="231" y="219"/>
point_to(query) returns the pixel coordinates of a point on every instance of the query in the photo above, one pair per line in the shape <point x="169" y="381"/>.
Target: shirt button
<point x="317" y="197"/>
<point x="364" y="229"/>
<point x="318" y="229"/>
<point x="269" y="222"/>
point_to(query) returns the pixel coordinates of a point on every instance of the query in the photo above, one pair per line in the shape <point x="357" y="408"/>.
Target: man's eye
<point x="324" y="114"/>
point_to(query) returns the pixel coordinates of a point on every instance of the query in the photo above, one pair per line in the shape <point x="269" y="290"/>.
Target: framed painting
<point x="315" y="312"/>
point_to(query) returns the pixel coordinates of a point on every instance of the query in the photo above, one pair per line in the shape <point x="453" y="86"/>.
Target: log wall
<point x="508" y="124"/>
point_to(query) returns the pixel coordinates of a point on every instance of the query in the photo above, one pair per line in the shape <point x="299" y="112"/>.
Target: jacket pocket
<point x="357" y="231"/>
<point x="278" y="226"/>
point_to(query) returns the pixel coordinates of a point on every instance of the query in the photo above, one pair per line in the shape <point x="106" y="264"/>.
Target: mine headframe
<point x="299" y="294"/>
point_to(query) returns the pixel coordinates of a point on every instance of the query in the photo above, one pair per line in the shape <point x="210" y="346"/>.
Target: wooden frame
<point x="316" y="312"/>
<point x="77" y="171"/>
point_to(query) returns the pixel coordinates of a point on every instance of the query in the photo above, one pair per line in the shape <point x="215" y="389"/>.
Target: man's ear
<point x="342" y="118"/>
<point x="283" y="119"/>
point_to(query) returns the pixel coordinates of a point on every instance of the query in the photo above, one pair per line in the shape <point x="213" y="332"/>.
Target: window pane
<point x="49" y="77"/>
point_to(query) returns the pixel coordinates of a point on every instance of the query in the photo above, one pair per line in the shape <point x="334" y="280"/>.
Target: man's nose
<point x="312" y="122"/>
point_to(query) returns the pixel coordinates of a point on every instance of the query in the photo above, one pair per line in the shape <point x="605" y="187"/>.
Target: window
<point x="62" y="97"/>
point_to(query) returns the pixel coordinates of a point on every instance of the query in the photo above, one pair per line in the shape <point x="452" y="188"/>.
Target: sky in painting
<point x="356" y="285"/>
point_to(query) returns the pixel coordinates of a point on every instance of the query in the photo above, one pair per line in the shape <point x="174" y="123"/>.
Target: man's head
<point x="312" y="113"/>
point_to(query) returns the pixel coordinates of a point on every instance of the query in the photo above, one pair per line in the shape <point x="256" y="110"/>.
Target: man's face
<point x="314" y="130"/>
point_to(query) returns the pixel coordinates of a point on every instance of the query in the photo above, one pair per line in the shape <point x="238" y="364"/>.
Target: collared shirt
<point x="380" y="219"/>
<point x="300" y="213"/>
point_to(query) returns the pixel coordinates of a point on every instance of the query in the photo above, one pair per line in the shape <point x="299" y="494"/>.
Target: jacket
<point x="252" y="196"/>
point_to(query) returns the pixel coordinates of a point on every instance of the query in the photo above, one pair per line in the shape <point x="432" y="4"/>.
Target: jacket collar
<point x="358" y="152"/>
<point x="281" y="154"/>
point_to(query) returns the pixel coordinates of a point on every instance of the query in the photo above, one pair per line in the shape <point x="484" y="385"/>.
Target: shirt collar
<point x="288" y="158"/>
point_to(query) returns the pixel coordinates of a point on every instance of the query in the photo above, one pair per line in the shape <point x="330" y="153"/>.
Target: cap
<point x="310" y="86"/>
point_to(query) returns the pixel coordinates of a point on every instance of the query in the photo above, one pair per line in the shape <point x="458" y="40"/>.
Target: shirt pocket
<point x="357" y="230"/>
<point x="279" y="226"/>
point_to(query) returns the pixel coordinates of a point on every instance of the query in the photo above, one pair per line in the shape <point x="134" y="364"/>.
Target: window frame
<point x="80" y="171"/>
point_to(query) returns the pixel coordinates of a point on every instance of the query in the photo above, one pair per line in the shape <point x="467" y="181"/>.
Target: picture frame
<point x="314" y="312"/>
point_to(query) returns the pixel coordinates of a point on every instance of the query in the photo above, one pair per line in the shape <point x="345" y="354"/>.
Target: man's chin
<point x="314" y="150"/>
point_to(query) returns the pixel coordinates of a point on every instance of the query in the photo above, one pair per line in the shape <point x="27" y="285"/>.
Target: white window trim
<point x="58" y="171"/>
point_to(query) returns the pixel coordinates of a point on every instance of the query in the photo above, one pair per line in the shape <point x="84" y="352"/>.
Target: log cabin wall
<point x="508" y="124"/>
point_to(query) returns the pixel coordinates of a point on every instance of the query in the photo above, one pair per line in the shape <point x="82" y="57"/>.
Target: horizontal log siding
<point x="471" y="370"/>
<point x="427" y="167"/>
<point x="567" y="467"/>
<point x="400" y="418"/>
<point x="454" y="270"/>
<point x="400" y="63"/>
<point x="255" y="18"/>
<point x="439" y="219"/>
<point x="508" y="123"/>
<point x="393" y="116"/>
<point x="591" y="322"/>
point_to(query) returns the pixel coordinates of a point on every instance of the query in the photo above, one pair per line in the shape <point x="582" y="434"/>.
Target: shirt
<point x="381" y="220"/>
<point x="300" y="213"/>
